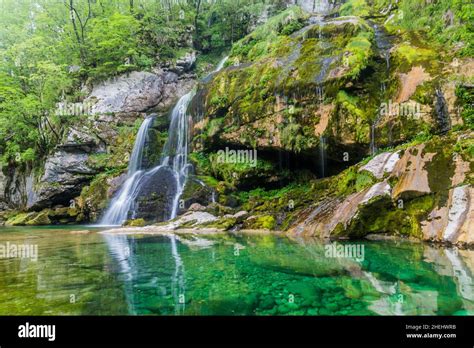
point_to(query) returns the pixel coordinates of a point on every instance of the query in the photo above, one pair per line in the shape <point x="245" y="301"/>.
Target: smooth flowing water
<point x="104" y="274"/>
<point x="174" y="158"/>
<point x="175" y="152"/>
<point x="121" y="204"/>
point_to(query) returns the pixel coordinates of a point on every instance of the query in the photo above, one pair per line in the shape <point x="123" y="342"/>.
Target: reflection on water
<point x="103" y="274"/>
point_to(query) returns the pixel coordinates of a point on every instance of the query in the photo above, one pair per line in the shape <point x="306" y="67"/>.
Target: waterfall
<point x="137" y="153"/>
<point x="220" y="65"/>
<point x="373" y="149"/>
<point x="322" y="155"/>
<point x="322" y="139"/>
<point x="442" y="112"/>
<point x="174" y="159"/>
<point x="175" y="152"/>
<point x="122" y="202"/>
<point x="373" y="126"/>
<point x="320" y="94"/>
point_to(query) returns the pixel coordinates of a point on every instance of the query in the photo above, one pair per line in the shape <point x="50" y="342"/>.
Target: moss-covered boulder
<point x="93" y="199"/>
<point x="41" y="218"/>
<point x="421" y="190"/>
<point x="135" y="223"/>
<point x="279" y="89"/>
<point x="20" y="219"/>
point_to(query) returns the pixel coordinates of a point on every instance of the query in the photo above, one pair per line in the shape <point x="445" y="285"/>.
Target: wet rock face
<point x="65" y="175"/>
<point x="3" y="180"/>
<point x="411" y="172"/>
<point x="334" y="215"/>
<point x="422" y="193"/>
<point x="382" y="164"/>
<point x="453" y="222"/>
<point x="283" y="99"/>
<point x="137" y="92"/>
<point x="315" y="6"/>
<point x="154" y="200"/>
<point x="185" y="63"/>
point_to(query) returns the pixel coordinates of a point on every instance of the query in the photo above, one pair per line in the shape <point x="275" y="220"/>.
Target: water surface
<point x="99" y="274"/>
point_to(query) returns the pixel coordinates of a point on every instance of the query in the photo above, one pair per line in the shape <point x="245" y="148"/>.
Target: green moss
<point x="29" y="219"/>
<point x="93" y="198"/>
<point x="244" y="173"/>
<point x="355" y="8"/>
<point x="351" y="181"/>
<point x="386" y="217"/>
<point x="265" y="222"/>
<point x="135" y="223"/>
<point x="407" y="55"/>
<point x="441" y="168"/>
<point x="222" y="224"/>
<point x="40" y="219"/>
<point x="360" y="50"/>
<point x="20" y="219"/>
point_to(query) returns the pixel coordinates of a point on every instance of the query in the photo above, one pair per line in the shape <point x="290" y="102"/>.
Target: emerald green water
<point x="100" y="274"/>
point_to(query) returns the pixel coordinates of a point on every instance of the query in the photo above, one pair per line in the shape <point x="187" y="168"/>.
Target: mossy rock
<point x="222" y="224"/>
<point x="20" y="219"/>
<point x="93" y="199"/>
<point x="135" y="223"/>
<point x="269" y="101"/>
<point x="40" y="219"/>
<point x="265" y="222"/>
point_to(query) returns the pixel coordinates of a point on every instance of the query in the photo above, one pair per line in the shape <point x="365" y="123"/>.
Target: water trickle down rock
<point x="154" y="195"/>
<point x="442" y="113"/>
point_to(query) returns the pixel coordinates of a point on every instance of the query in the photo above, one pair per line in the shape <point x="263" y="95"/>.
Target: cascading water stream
<point x="174" y="158"/>
<point x="121" y="204"/>
<point x="137" y="153"/>
<point x="175" y="152"/>
<point x="322" y="138"/>
<point x="384" y="46"/>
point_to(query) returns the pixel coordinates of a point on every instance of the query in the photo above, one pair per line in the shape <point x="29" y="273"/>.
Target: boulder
<point x="454" y="221"/>
<point x="137" y="92"/>
<point x="65" y="173"/>
<point x="184" y="63"/>
<point x="334" y="214"/>
<point x="382" y="164"/>
<point x="154" y="200"/>
<point x="412" y="174"/>
<point x="196" y="207"/>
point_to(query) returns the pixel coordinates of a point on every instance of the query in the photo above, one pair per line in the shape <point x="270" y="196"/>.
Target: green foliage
<point x="355" y="8"/>
<point x="114" y="45"/>
<point x="50" y="49"/>
<point x="446" y="22"/>
<point x="266" y="37"/>
<point x="465" y="100"/>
